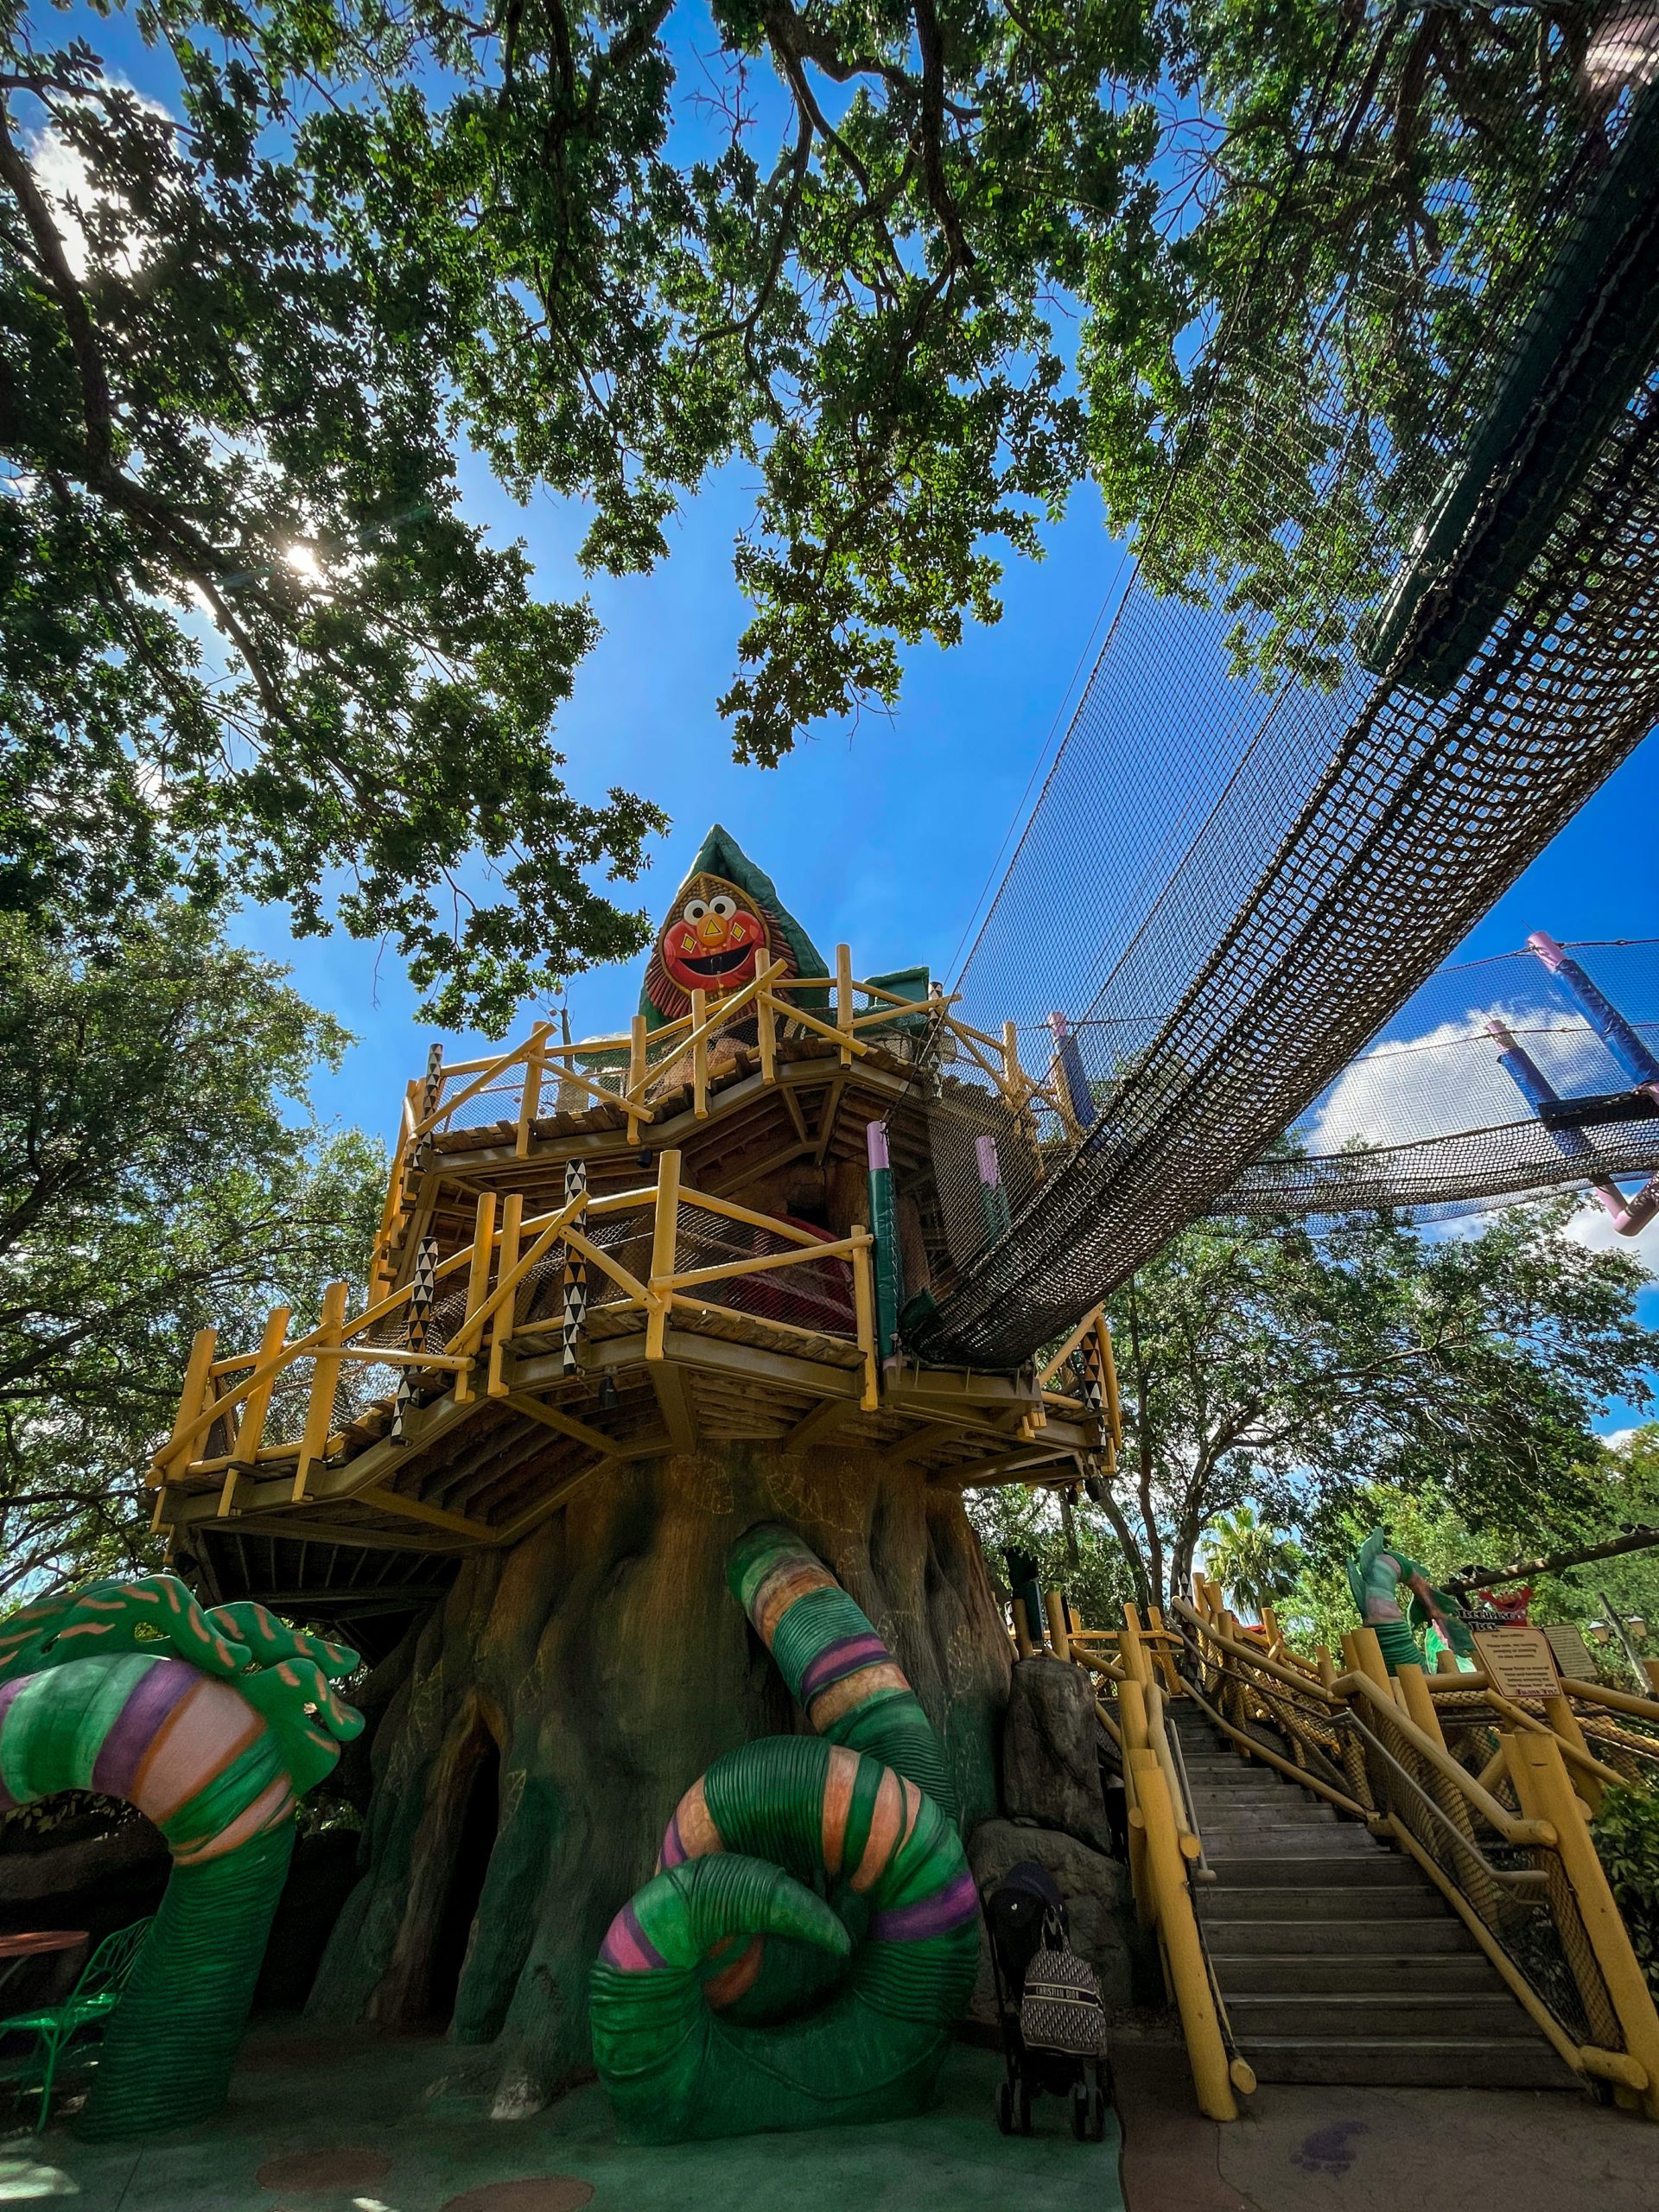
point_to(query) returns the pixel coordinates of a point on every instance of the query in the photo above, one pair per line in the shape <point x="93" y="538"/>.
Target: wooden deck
<point x="338" y="1470"/>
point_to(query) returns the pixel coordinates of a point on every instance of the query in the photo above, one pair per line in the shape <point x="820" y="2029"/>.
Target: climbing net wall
<point x="1300" y="772"/>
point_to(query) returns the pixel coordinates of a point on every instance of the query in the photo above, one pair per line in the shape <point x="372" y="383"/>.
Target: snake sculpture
<point x="812" y="1932"/>
<point x="213" y="1724"/>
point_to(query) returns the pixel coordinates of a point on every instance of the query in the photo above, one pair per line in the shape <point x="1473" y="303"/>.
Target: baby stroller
<point x="1048" y="2006"/>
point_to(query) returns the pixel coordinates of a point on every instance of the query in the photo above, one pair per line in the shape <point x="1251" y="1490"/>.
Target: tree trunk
<point x="604" y="1665"/>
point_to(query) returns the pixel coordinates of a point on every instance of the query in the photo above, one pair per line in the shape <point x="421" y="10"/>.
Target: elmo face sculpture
<point x="715" y="941"/>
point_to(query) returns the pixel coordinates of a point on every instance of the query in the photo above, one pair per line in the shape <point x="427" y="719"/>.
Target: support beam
<point x="1006" y="1466"/>
<point x="545" y="1508"/>
<point x="564" y="1424"/>
<point x="432" y="1516"/>
<point x="925" y="1439"/>
<point x="813" y="1427"/>
<point x="674" y="1400"/>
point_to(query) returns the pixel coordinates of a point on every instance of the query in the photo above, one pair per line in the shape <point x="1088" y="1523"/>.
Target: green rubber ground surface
<point x="361" y="2124"/>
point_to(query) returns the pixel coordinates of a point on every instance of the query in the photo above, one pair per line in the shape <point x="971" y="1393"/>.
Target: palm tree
<point x="1251" y="1560"/>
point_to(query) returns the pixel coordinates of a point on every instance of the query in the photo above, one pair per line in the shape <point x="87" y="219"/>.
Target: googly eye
<point x="724" y="907"/>
<point x="696" y="910"/>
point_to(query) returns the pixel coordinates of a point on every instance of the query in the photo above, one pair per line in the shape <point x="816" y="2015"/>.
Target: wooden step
<point x="1407" y="2062"/>
<point x="1376" y="1869"/>
<point x="1227" y="1810"/>
<point x="1295" y="1973"/>
<point x="1308" y="1838"/>
<point x="1312" y="1900"/>
<point x="1485" y="2015"/>
<point x="1390" y="1936"/>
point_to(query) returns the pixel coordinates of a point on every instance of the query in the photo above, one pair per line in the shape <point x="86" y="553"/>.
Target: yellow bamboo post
<point x="1054" y="1607"/>
<point x="1160" y="1654"/>
<point x="1353" y="1752"/>
<point x="1540" y="1775"/>
<point x="1132" y="1710"/>
<point x="864" y="1320"/>
<point x="1474" y="1881"/>
<point x="502" y="1326"/>
<point x="1327" y="1667"/>
<point x="252" y="1425"/>
<point x="844" y="1000"/>
<point x="325" y="1380"/>
<point x="1013" y="1076"/>
<point x="766" y="1033"/>
<point x="192" y="1396"/>
<point x="1023" y="1642"/>
<point x="1179" y="1931"/>
<point x="1559" y="1713"/>
<point x="1369" y="1660"/>
<point x="530" y="1097"/>
<point x="1132" y="1723"/>
<point x="699" y="1056"/>
<point x="478" y="1280"/>
<point x="664" y="1239"/>
<point x="635" y="1091"/>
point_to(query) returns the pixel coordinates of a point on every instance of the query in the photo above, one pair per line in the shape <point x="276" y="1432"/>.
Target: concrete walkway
<point x="360" y="2123"/>
<point x="1349" y="2150"/>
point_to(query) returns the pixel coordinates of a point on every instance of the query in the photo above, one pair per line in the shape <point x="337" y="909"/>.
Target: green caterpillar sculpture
<point x="843" y="1843"/>
<point x="213" y="1724"/>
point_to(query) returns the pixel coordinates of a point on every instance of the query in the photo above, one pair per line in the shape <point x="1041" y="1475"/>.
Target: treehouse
<point x="630" y="1296"/>
<point x="694" y="1236"/>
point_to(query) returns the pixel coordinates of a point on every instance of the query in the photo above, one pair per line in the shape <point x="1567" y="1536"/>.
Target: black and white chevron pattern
<point x="575" y="1270"/>
<point x="422" y="1293"/>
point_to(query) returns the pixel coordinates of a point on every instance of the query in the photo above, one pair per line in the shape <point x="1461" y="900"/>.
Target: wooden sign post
<point x="1519" y="1661"/>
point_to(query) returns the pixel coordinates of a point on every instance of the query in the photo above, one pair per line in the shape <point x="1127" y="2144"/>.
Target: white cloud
<point x="61" y="171"/>
<point x="1450" y="1078"/>
<point x="1592" y="1228"/>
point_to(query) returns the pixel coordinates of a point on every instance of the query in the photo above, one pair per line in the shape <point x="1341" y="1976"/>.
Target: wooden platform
<point x="338" y="1470"/>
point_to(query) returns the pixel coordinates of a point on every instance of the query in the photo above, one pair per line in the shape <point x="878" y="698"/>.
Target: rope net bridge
<point x="1499" y="1076"/>
<point x="1319" y="743"/>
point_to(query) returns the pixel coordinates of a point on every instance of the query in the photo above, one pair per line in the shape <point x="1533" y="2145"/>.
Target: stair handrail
<point x="1426" y="1802"/>
<point x="1162" y="1853"/>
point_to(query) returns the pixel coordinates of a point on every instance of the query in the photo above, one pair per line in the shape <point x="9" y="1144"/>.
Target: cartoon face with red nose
<point x="713" y="941"/>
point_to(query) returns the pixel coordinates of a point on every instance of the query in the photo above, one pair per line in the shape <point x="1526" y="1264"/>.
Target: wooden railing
<point x="236" y="1391"/>
<point x="1136" y="1676"/>
<point x="1088" y="1351"/>
<point x="1490" y="1799"/>
<point x="631" y="1071"/>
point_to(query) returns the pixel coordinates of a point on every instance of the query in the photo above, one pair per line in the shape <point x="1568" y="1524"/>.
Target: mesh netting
<point x="1252" y="850"/>
<point x="1427" y="1116"/>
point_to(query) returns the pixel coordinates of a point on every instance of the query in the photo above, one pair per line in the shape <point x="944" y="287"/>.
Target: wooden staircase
<point x="1338" y="1959"/>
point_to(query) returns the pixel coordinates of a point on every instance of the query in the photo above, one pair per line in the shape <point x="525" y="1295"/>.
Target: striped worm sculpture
<point x="213" y="1724"/>
<point x="812" y="1931"/>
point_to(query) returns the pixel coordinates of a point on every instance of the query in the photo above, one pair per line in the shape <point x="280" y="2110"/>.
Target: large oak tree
<point x="919" y="265"/>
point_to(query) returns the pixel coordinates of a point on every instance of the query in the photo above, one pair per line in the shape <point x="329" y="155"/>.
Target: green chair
<point x="94" y="1997"/>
